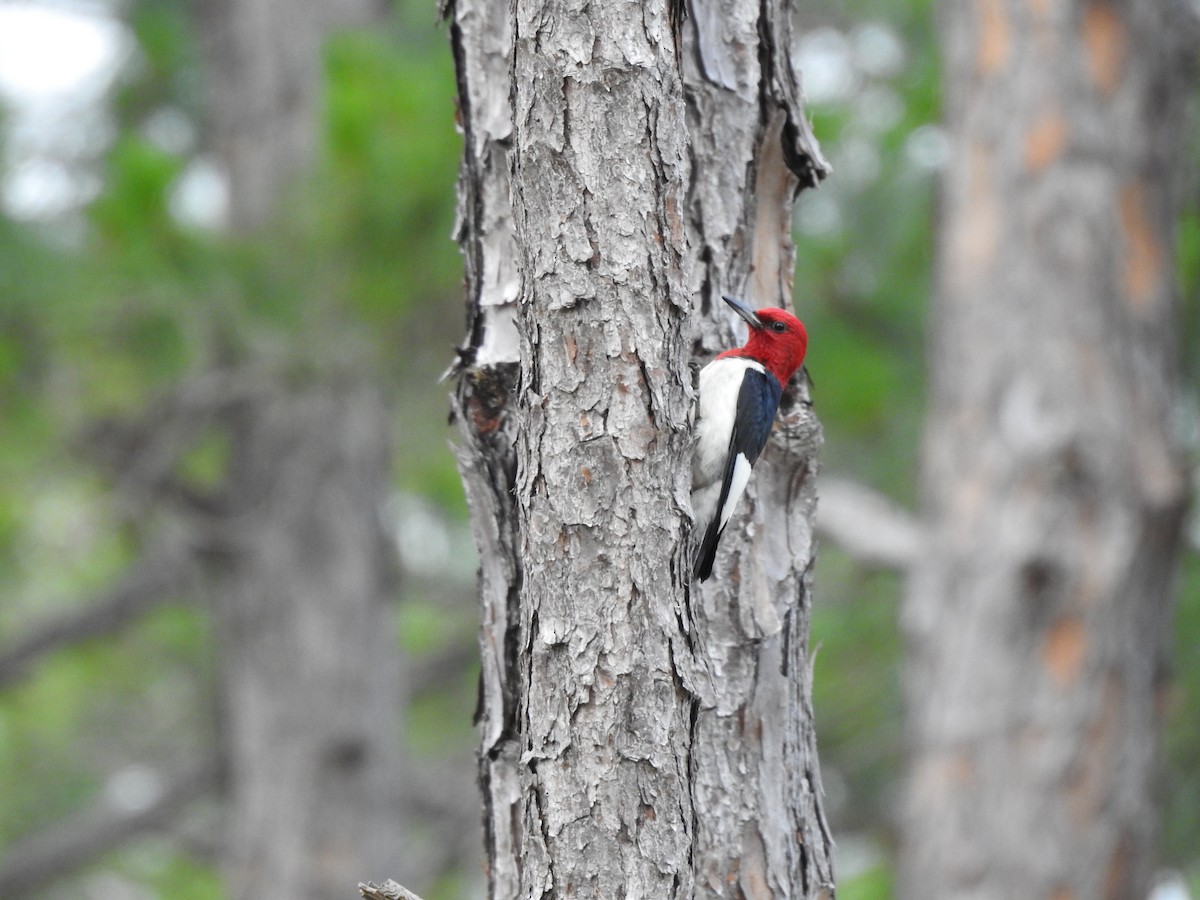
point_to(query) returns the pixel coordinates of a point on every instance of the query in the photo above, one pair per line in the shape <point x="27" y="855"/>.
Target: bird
<point x="739" y="397"/>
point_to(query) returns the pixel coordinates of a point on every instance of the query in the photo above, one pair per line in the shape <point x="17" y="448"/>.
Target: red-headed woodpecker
<point x="739" y="396"/>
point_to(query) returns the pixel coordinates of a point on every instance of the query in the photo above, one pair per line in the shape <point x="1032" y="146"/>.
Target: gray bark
<point x="640" y="737"/>
<point x="1052" y="487"/>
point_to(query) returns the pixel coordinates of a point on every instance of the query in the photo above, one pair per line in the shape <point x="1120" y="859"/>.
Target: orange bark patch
<point x="1044" y="142"/>
<point x="1143" y="254"/>
<point x="1166" y="699"/>
<point x="964" y="768"/>
<point x="1040" y="8"/>
<point x="942" y="773"/>
<point x="1045" y="15"/>
<point x="985" y="221"/>
<point x="1104" y="40"/>
<point x="1062" y="893"/>
<point x="1063" y="649"/>
<point x="976" y="234"/>
<point x="995" y="37"/>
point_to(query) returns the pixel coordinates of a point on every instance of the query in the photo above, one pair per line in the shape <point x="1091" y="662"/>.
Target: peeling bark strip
<point x="1053" y="492"/>
<point x="640" y="738"/>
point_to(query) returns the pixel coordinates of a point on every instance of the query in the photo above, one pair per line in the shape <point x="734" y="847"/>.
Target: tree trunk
<point x="310" y="687"/>
<point x="641" y="737"/>
<point x="264" y="85"/>
<point x="1052" y="485"/>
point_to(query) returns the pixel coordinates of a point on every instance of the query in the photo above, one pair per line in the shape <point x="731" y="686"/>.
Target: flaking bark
<point x="640" y="737"/>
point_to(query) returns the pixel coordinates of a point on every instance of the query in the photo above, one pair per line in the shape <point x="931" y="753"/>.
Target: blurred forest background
<point x="179" y="320"/>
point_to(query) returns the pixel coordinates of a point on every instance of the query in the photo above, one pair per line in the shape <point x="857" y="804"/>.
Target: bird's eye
<point x="778" y="326"/>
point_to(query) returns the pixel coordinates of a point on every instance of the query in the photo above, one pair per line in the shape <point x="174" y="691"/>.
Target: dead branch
<point x="389" y="890"/>
<point x="155" y="578"/>
<point x="867" y="525"/>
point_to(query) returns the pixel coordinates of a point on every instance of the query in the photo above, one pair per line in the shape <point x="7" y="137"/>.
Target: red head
<point x="777" y="339"/>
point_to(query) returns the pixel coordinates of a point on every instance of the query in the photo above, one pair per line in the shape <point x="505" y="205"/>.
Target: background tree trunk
<point x="310" y="687"/>
<point x="264" y="88"/>
<point x="311" y="692"/>
<point x="1052" y="486"/>
<point x="639" y="737"/>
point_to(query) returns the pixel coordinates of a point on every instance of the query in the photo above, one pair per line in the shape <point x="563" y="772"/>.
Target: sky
<point x="52" y="52"/>
<point x="57" y="62"/>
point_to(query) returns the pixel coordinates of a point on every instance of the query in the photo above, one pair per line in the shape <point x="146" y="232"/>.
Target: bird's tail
<point x="707" y="551"/>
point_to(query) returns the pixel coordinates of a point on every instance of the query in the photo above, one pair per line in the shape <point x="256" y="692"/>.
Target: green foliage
<point x="206" y="465"/>
<point x="40" y="765"/>
<point x="864" y="251"/>
<point x="155" y="864"/>
<point x="431" y="732"/>
<point x="88" y="706"/>
<point x="169" y="72"/>
<point x="856" y="691"/>
<point x="1181" y="743"/>
<point x="1188" y="251"/>
<point x="392" y="161"/>
<point x="132" y="216"/>
<point x="426" y="626"/>
<point x="387" y="213"/>
<point x="873" y="884"/>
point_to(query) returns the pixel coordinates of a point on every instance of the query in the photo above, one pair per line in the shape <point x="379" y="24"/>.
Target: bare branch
<point x="142" y="454"/>
<point x="867" y="525"/>
<point x="156" y="577"/>
<point x="69" y="845"/>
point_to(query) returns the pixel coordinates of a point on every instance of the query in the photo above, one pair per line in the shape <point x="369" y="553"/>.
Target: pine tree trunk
<point x="264" y="79"/>
<point x="310" y="683"/>
<point x="310" y="688"/>
<point x="1052" y="486"/>
<point x="640" y="737"/>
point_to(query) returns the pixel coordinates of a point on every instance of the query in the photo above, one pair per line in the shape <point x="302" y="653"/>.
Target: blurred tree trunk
<point x="310" y="688"/>
<point x="1052" y="485"/>
<point x="641" y="737"/>
<point x="311" y="693"/>
<point x="265" y="68"/>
